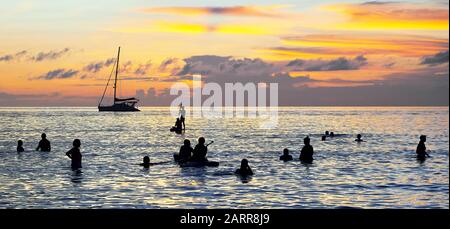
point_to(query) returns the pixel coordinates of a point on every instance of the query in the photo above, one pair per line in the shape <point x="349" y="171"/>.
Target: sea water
<point x="381" y="172"/>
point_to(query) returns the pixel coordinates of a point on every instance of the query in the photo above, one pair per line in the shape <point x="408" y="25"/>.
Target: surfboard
<point x="200" y="164"/>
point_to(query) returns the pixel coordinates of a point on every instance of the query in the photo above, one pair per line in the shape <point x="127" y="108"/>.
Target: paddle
<point x="209" y="143"/>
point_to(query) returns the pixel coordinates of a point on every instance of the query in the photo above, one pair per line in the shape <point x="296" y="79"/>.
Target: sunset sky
<point x="328" y="52"/>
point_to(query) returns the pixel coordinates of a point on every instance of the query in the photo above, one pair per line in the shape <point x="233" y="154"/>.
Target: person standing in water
<point x="200" y="151"/>
<point x="306" y="154"/>
<point x="286" y="157"/>
<point x="245" y="169"/>
<point x="358" y="138"/>
<point x="182" y="114"/>
<point x="20" y="146"/>
<point x="75" y="154"/>
<point x="44" y="144"/>
<point x="421" y="150"/>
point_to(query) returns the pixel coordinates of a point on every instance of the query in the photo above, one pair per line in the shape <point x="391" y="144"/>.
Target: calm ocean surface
<point x="379" y="173"/>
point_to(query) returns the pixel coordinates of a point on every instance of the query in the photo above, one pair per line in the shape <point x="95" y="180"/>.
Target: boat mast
<point x="117" y="72"/>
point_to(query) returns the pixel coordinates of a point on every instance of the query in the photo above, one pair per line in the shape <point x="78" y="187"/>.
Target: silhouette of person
<point x="20" y="146"/>
<point x="332" y="134"/>
<point x="146" y="162"/>
<point x="44" y="144"/>
<point x="178" y="125"/>
<point x="200" y="151"/>
<point x="75" y="154"/>
<point x="327" y="133"/>
<point x="182" y="115"/>
<point x="306" y="154"/>
<point x="185" y="151"/>
<point x="245" y="169"/>
<point x="286" y="156"/>
<point x="324" y="137"/>
<point x="421" y="150"/>
<point x="358" y="138"/>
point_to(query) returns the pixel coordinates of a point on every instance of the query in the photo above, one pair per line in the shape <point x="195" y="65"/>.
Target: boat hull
<point x="118" y="108"/>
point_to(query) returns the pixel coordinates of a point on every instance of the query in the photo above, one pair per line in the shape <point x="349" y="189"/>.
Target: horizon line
<point x="243" y="106"/>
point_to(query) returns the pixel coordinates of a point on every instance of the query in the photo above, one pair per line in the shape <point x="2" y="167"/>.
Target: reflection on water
<point x="381" y="172"/>
<point x="77" y="176"/>
<point x="245" y="179"/>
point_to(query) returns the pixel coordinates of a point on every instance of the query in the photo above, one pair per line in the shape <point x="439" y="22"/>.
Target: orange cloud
<point x="184" y="27"/>
<point x="249" y="11"/>
<point x="310" y="46"/>
<point x="391" y="16"/>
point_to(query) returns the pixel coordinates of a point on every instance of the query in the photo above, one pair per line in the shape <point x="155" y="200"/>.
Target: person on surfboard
<point x="200" y="151"/>
<point x="182" y="115"/>
<point x="185" y="152"/>
<point x="178" y="126"/>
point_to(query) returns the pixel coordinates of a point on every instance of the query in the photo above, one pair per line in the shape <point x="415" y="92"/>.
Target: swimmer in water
<point x="327" y="133"/>
<point x="332" y="134"/>
<point x="324" y="137"/>
<point x="146" y="162"/>
<point x="306" y="154"/>
<point x="20" y="146"/>
<point x="245" y="169"/>
<point x="44" y="144"/>
<point x="358" y="138"/>
<point x="286" y="157"/>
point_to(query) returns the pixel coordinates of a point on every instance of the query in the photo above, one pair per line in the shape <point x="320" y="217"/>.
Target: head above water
<point x="76" y="143"/>
<point x="286" y="151"/>
<point x="306" y="140"/>
<point x="43" y="136"/>
<point x="327" y="133"/>
<point x="244" y="163"/>
<point x="146" y="160"/>
<point x="423" y="138"/>
<point x="201" y="140"/>
<point x="187" y="142"/>
<point x="358" y="136"/>
<point x="20" y="142"/>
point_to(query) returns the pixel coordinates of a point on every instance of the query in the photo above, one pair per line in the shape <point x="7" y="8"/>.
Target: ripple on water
<point x="378" y="173"/>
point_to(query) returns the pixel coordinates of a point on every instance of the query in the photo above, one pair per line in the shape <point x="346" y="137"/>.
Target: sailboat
<point x="119" y="105"/>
